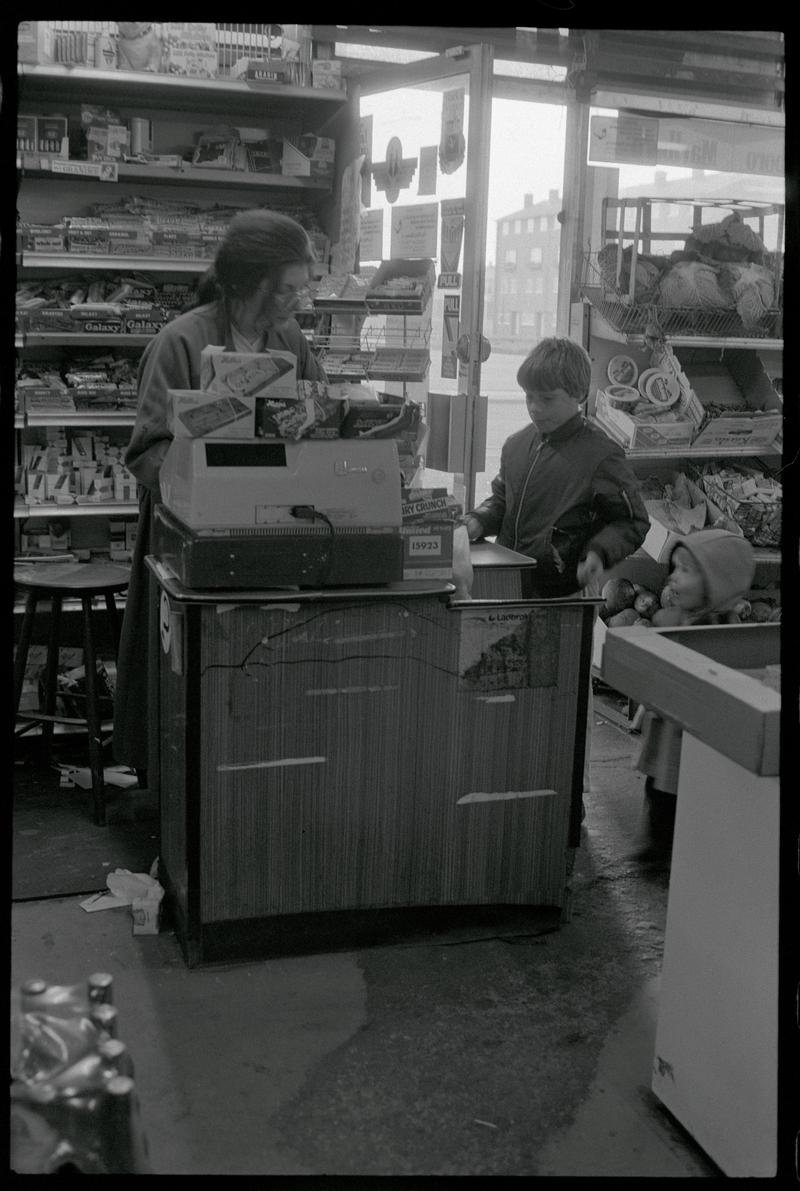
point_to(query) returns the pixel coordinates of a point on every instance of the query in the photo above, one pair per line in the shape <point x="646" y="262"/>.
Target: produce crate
<point x="621" y="279"/>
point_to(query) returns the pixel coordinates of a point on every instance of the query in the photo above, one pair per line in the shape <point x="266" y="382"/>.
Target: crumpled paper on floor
<point x="141" y="891"/>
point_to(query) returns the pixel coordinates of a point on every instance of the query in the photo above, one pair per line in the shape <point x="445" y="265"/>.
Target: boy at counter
<point x="711" y="571"/>
<point x="565" y="494"/>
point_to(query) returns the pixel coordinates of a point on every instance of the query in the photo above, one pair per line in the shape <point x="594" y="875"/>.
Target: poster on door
<point x="452" y="145"/>
<point x="427" y="170"/>
<point x="365" y="151"/>
<point x="451" y="237"/>
<point x="413" y="232"/>
<point x="450" y="317"/>
<point x="371" y="238"/>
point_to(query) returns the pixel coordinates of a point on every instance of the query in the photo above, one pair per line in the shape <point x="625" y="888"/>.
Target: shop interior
<point x="376" y="904"/>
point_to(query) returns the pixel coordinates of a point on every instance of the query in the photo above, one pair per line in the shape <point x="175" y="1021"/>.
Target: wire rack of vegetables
<point x="715" y="270"/>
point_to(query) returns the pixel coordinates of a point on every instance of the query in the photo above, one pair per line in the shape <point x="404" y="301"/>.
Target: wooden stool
<point x="54" y="582"/>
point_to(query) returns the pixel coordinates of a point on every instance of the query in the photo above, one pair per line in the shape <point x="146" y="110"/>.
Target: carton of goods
<point x="428" y="550"/>
<point x="139" y="322"/>
<point x="326" y="73"/>
<point x="194" y="413"/>
<point x="741" y="407"/>
<point x="382" y="419"/>
<point x="41" y="237"/>
<point x="44" y="396"/>
<point x="401" y="287"/>
<point x="86" y="234"/>
<point x="259" y="70"/>
<point x="248" y="374"/>
<point x="50" y="318"/>
<point x="51" y="133"/>
<point x="34" y="42"/>
<point x="316" y="411"/>
<point x="428" y="504"/>
<point x="190" y="48"/>
<point x="308" y="156"/>
<point x="668" y="524"/>
<point x="657" y="430"/>
<point x="750" y="498"/>
<point x="127" y="237"/>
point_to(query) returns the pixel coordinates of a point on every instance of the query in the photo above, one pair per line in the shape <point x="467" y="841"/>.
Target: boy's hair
<point x="557" y="363"/>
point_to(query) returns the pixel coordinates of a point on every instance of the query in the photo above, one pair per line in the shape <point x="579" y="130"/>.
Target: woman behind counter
<point x="258" y="275"/>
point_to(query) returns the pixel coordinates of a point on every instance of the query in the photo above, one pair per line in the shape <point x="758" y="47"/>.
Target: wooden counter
<point x="325" y="752"/>
<point x="716" y="1057"/>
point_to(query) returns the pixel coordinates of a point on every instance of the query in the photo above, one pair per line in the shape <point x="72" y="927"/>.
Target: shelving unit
<point x="178" y="107"/>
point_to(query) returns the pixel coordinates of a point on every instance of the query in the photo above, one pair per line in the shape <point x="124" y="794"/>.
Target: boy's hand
<point x="589" y="568"/>
<point x="474" y="527"/>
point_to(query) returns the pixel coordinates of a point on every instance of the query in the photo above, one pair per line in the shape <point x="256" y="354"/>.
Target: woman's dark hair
<point x="257" y="244"/>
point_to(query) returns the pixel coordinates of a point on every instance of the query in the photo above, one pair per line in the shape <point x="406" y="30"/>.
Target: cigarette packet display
<point x="198" y="414"/>
<point x="243" y="374"/>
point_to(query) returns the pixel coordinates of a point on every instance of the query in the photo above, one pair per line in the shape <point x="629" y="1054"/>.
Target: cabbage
<point x="693" y="284"/>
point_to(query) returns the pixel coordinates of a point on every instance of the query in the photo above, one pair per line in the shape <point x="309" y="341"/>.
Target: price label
<point x="427" y="545"/>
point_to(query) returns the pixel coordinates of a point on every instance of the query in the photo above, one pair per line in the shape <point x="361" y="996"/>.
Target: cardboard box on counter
<point x="246" y="374"/>
<point x="195" y="413"/>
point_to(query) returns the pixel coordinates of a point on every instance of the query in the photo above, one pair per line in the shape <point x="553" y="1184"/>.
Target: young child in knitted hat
<point x="710" y="572"/>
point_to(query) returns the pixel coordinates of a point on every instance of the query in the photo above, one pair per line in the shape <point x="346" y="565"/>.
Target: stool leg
<point x="93" y="715"/>
<point x="23" y="645"/>
<point x="51" y="676"/>
<point x="113" y="617"/>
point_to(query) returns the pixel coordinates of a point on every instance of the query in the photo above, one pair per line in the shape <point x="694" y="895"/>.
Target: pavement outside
<point x="524" y="1054"/>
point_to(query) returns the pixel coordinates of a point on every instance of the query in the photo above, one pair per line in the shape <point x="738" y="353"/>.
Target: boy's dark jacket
<point x="559" y="495"/>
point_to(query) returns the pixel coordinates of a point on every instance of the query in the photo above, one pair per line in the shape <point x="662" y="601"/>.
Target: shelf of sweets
<point x="187" y="174"/>
<point x="95" y="417"/>
<point x="78" y="339"/>
<point x="84" y="261"/>
<point x="178" y="93"/>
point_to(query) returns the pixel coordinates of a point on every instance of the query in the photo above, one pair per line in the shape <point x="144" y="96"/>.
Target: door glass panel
<point x="414" y="116"/>
<point x="522" y="251"/>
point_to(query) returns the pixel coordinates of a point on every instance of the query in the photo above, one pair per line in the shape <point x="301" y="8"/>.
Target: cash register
<point x="239" y="513"/>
